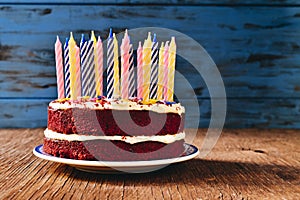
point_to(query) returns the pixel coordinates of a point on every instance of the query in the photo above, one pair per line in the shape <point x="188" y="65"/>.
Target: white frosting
<point x="120" y="105"/>
<point x="167" y="139"/>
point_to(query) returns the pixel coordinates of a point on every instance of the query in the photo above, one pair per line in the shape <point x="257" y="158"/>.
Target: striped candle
<point x="131" y="73"/>
<point x="87" y="67"/>
<point x="160" y="88"/>
<point x="171" y="68"/>
<point x="67" y="68"/>
<point x="166" y="71"/>
<point x="84" y="68"/>
<point x="154" y="69"/>
<point x="116" y="86"/>
<point x="140" y="71"/>
<point x="91" y="68"/>
<point x="78" y="73"/>
<point x="99" y="69"/>
<point x="146" y="66"/>
<point x="59" y="69"/>
<point x="72" y="45"/>
<point x="110" y="65"/>
<point x="125" y="48"/>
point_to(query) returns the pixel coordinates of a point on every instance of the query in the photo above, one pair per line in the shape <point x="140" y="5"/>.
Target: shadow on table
<point x="199" y="171"/>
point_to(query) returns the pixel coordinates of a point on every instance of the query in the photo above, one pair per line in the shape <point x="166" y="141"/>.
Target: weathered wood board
<point x="251" y="64"/>
<point x="256" y="49"/>
<point x="165" y="2"/>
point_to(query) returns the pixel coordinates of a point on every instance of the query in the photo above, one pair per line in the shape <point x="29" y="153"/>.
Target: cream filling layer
<point x="167" y="139"/>
<point x="121" y="105"/>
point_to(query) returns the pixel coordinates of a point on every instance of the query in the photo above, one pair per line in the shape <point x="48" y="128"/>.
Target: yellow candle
<point x="160" y="84"/>
<point x="171" y="68"/>
<point x="72" y="51"/>
<point x="116" y="86"/>
<point x="96" y="66"/>
<point x="146" y="67"/>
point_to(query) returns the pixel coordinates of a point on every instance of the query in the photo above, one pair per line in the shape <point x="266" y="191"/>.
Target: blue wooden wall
<point x="254" y="43"/>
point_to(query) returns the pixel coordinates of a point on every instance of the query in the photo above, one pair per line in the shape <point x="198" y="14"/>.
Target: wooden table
<point x="245" y="164"/>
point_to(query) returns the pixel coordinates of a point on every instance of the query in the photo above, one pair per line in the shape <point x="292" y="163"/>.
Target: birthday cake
<point x="106" y="129"/>
<point x="127" y="124"/>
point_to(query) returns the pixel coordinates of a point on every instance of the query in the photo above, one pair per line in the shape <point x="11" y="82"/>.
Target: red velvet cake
<point x="114" y="129"/>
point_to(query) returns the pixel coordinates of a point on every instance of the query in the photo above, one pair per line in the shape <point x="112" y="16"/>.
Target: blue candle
<point x="154" y="69"/>
<point x="83" y="47"/>
<point x="67" y="68"/>
<point x="110" y="65"/>
<point x="131" y="88"/>
<point x="87" y="67"/>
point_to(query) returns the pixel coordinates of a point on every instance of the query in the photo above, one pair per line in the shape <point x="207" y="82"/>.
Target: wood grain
<point x="245" y="164"/>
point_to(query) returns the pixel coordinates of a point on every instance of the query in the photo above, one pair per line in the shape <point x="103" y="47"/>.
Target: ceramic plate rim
<point x="39" y="153"/>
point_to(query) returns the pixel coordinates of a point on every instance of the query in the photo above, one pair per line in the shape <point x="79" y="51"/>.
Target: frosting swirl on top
<point x="102" y="103"/>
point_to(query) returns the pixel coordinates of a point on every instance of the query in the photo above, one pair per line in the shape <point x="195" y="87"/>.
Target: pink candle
<point x="59" y="69"/>
<point x="125" y="47"/>
<point x="140" y="71"/>
<point x="166" y="71"/>
<point x="67" y="69"/>
<point x="99" y="81"/>
<point x="78" y="74"/>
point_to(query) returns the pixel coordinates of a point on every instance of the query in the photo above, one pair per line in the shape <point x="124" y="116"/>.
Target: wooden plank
<point x="252" y="64"/>
<point x="244" y="164"/>
<point x="164" y="2"/>
<point x="27" y="80"/>
<point x="261" y="113"/>
<point x="256" y="70"/>
<point x="23" y="113"/>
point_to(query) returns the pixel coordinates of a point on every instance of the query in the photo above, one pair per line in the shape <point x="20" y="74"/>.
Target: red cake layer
<point x="102" y="122"/>
<point x="112" y="150"/>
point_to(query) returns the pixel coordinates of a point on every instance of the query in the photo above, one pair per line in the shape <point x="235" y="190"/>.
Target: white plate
<point x="119" y="166"/>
